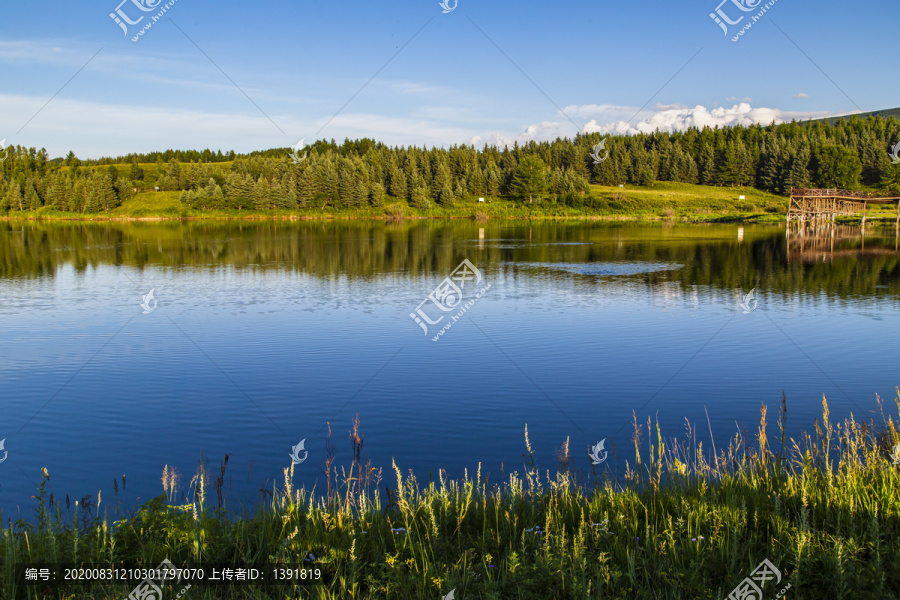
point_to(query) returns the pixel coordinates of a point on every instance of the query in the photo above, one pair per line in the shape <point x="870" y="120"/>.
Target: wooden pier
<point x="812" y="206"/>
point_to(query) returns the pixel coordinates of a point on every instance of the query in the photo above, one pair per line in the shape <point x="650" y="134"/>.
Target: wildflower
<point x="310" y="557"/>
<point x="398" y="530"/>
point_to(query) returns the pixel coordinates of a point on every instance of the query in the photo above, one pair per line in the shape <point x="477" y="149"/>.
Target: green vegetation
<point x="560" y="178"/>
<point x="684" y="522"/>
<point x="681" y="200"/>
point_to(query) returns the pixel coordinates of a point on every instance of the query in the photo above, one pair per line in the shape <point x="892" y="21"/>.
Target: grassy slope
<point x="693" y="201"/>
<point x="660" y="200"/>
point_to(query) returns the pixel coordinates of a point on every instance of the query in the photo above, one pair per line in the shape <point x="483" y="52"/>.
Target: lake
<point x="259" y="333"/>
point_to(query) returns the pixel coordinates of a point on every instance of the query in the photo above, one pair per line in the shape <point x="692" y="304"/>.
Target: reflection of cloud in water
<point x="607" y="268"/>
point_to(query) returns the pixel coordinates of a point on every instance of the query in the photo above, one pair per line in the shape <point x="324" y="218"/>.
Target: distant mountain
<point x="885" y="114"/>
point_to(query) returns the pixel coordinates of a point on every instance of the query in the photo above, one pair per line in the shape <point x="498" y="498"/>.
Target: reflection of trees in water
<point x="711" y="254"/>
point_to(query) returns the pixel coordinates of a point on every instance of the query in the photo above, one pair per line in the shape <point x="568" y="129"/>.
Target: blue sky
<point x="246" y="76"/>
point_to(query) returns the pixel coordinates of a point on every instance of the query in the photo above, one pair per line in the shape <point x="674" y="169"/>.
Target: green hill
<point x="884" y="114"/>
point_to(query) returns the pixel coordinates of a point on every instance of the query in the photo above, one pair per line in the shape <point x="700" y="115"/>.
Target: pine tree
<point x="799" y="173"/>
<point x="668" y="168"/>
<point x="243" y="194"/>
<point x="31" y="200"/>
<point x="530" y="179"/>
<point x="14" y="196"/>
<point x="643" y="172"/>
<point x="78" y="197"/>
<point x="136" y="173"/>
<point x="174" y="180"/>
<point x="306" y="189"/>
<point x="397" y="183"/>
<point x="377" y="194"/>
<point x="446" y="197"/>
<point x="706" y="165"/>
<point x="232" y="189"/>
<point x="420" y="197"/>
<point x="4" y="196"/>
<point x="277" y="195"/>
<point x="891" y="177"/>
<point x="361" y="197"/>
<point x="289" y="182"/>
<point x="768" y="172"/>
<point x="727" y="171"/>
<point x="93" y="195"/>
<point x="261" y="194"/>
<point x="459" y="192"/>
<point x="474" y="182"/>
<point x="743" y="169"/>
<point x="441" y="181"/>
<point x="328" y="177"/>
<point x="492" y="179"/>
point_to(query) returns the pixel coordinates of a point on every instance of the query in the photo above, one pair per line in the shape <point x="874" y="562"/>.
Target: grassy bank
<point x="661" y="200"/>
<point x="685" y="522"/>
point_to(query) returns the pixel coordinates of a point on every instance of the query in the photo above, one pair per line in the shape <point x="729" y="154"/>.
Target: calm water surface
<point x="263" y="333"/>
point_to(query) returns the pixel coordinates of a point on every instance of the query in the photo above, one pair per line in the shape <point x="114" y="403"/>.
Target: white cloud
<point x="594" y="110"/>
<point x="668" y="106"/>
<point x="679" y="119"/>
<point x="664" y="117"/>
<point x="801" y="95"/>
<point x="548" y="130"/>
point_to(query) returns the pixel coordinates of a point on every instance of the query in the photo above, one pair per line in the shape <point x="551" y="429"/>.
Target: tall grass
<point x="685" y="522"/>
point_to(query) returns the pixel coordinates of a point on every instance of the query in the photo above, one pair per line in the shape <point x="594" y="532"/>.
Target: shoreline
<point x="761" y="219"/>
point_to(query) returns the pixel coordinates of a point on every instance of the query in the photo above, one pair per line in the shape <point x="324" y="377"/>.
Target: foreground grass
<point x="684" y="523"/>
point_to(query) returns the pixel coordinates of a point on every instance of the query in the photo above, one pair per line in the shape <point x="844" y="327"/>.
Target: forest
<point x="854" y="153"/>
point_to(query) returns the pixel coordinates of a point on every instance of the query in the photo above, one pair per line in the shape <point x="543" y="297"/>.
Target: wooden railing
<point x="836" y="193"/>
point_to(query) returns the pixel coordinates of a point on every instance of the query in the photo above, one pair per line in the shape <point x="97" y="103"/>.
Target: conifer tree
<point x="706" y="165"/>
<point x="31" y="199"/>
<point x="377" y="194"/>
<point x="289" y="182"/>
<point x="530" y="179"/>
<point x="261" y="194"/>
<point x="397" y="183"/>
<point x="14" y="196"/>
<point x="136" y="173"/>
<point x="492" y="179"/>
<point x="420" y="197"/>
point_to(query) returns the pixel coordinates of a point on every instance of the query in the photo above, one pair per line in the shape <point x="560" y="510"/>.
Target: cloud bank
<point x="669" y="118"/>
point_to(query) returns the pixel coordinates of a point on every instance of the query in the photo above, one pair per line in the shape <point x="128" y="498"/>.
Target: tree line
<point x="852" y="153"/>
